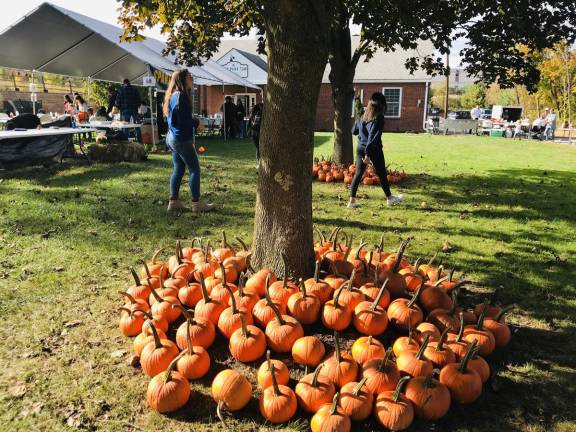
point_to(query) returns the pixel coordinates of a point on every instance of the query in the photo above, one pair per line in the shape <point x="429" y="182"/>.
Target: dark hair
<point x="376" y="107"/>
<point x="101" y="112"/>
<point x="177" y="84"/>
<point x="126" y="81"/>
<point x="67" y="98"/>
<point x="79" y="99"/>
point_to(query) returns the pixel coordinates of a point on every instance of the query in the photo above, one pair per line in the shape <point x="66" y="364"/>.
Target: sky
<point x="103" y="10"/>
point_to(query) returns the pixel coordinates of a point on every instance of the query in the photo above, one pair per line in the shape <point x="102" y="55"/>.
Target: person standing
<point x="550" y="124"/>
<point x="128" y="101"/>
<point x="180" y="138"/>
<point x="229" y="111"/>
<point x="68" y="105"/>
<point x="240" y="114"/>
<point x="369" y="128"/>
<point x="475" y="112"/>
<point x="256" y="120"/>
<point x="112" y="94"/>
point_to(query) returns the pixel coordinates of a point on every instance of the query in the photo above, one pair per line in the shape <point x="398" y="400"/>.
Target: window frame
<point x="354" y="101"/>
<point x="399" y="101"/>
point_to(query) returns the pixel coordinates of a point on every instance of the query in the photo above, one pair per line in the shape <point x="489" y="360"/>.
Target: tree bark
<point x="297" y="49"/>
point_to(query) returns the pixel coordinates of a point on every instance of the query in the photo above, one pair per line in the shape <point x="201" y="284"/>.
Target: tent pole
<point x="89" y="85"/>
<point x="32" y="95"/>
<point x="224" y="111"/>
<point x="152" y="117"/>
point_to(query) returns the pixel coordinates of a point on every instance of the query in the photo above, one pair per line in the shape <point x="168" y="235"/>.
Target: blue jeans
<point x="183" y="155"/>
<point x="549" y="132"/>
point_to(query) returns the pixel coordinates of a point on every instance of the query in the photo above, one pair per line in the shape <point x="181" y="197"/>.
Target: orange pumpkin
<point x="340" y="368"/>
<point x="157" y="355"/>
<point x="305" y="308"/>
<point x="393" y="410"/>
<point x="367" y="348"/>
<point x="414" y="364"/>
<point x="336" y="316"/>
<point x="382" y="373"/>
<point x="308" y="351"/>
<point x="329" y="418"/>
<point x="282" y="331"/>
<point x="431" y="398"/>
<point x="313" y="391"/>
<point x="278" y="402"/>
<point x="169" y="391"/>
<point x="247" y="343"/>
<point x="264" y="376"/>
<point x="464" y="383"/>
<point x="356" y="400"/>
<point x="231" y="390"/>
<point x="369" y="317"/>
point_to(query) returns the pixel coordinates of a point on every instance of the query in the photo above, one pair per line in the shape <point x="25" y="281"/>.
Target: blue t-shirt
<point x="369" y="134"/>
<point x="180" y="122"/>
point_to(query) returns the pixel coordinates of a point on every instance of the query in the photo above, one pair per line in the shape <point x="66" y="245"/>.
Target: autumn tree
<point x="297" y="49"/>
<point x="493" y="29"/>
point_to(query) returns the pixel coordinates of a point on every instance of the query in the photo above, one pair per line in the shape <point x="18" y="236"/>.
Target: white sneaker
<point x="394" y="199"/>
<point x="353" y="205"/>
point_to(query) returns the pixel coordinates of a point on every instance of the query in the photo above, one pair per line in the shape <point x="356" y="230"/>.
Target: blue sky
<point x="103" y="10"/>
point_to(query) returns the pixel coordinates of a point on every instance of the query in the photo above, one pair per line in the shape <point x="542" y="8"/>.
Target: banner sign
<point x="234" y="66"/>
<point x="162" y="78"/>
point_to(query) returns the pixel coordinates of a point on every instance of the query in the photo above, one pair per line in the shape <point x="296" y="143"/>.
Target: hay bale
<point x="119" y="151"/>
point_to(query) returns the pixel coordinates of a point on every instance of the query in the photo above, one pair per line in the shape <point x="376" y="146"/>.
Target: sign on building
<point x="236" y="67"/>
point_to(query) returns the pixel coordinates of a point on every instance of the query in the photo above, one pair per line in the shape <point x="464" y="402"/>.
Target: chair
<point x="431" y="127"/>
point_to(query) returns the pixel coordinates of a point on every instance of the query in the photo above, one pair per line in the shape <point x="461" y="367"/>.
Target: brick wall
<point x="411" y="114"/>
<point x="212" y="97"/>
<point x="51" y="102"/>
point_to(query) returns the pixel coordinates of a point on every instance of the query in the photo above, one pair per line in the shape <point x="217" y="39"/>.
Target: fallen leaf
<point x="17" y="391"/>
<point x="446" y="246"/>
<point x="71" y="324"/>
<point x="118" y="353"/>
<point x="59" y="269"/>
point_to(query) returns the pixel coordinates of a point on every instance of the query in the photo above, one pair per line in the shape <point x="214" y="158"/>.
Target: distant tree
<point x="473" y="94"/>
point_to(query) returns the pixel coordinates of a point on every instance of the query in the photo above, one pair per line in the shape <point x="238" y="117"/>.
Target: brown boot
<point x="176" y="205"/>
<point x="201" y="206"/>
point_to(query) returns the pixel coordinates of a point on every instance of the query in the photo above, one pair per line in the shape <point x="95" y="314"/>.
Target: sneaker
<point x="176" y="205"/>
<point x="353" y="204"/>
<point x="201" y="206"/>
<point x="394" y="199"/>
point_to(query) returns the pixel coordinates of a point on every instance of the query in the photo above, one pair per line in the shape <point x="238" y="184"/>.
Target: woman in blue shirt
<point x="369" y="127"/>
<point x="180" y="139"/>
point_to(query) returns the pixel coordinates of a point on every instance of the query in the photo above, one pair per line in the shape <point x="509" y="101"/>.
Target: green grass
<point x="69" y="233"/>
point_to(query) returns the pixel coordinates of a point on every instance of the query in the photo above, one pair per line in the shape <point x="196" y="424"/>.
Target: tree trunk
<point x="297" y="51"/>
<point x="342" y="69"/>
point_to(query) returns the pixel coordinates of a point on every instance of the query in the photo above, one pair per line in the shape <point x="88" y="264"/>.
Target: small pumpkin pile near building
<point x="435" y="358"/>
<point x="328" y="172"/>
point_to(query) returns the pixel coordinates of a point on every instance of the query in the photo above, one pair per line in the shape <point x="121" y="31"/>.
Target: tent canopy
<point x="55" y="40"/>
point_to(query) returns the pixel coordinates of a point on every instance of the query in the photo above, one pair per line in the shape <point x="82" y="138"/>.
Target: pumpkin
<point x="231" y="390"/>
<point x="224" y="251"/>
<point x="393" y="410"/>
<point x="335" y="280"/>
<point x="202" y="331"/>
<point x="350" y="296"/>
<point x="230" y="319"/>
<point x="403" y="313"/>
<point x="335" y="315"/>
<point x="162" y="307"/>
<point x="414" y="364"/>
<point x="412" y="278"/>
<point x="244" y="300"/>
<point x="464" y="383"/>
<point x="426" y="328"/>
<point x="247" y="343"/>
<point x="382" y="373"/>
<point x="208" y="308"/>
<point x="405" y="343"/>
<point x="312" y="391"/>
<point x="138" y="290"/>
<point x="356" y="400"/>
<point x="434" y="297"/>
<point x="308" y="351"/>
<point x="329" y="418"/>
<point x="282" y="331"/>
<point x="159" y="323"/>
<point x="264" y="377"/>
<point x="144" y="338"/>
<point x="305" y="308"/>
<point x="483" y="337"/>
<point x="155" y="267"/>
<point x="161" y="291"/>
<point x="317" y="287"/>
<point x="439" y="354"/>
<point x="371" y="291"/>
<point x="226" y="273"/>
<point x="190" y="294"/>
<point x="369" y="317"/>
<point x="257" y="282"/>
<point x="169" y="391"/>
<point x="157" y="355"/>
<point x="499" y="328"/>
<point x="396" y="283"/>
<point x="278" y="402"/>
<point x="280" y="291"/>
<point x="455" y="342"/>
<point x="263" y="312"/>
<point x="131" y="321"/>
<point x="340" y="368"/>
<point x="366" y="348"/>
<point x="194" y="362"/>
<point x="430" y="398"/>
<point x="223" y="291"/>
<point x="187" y="252"/>
<point x="334" y="254"/>
<point x="445" y="318"/>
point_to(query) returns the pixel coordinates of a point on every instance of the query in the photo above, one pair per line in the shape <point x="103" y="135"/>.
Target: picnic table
<point x="37" y="145"/>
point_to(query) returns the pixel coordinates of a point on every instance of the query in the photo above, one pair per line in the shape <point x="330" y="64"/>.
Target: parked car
<point x="459" y="115"/>
<point x="486" y="114"/>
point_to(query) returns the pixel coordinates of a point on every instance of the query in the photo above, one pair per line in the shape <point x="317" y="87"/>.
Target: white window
<point x="393" y="101"/>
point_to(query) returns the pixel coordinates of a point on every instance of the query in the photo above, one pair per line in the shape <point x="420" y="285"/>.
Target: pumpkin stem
<point x="399" y="255"/>
<point x="337" y="346"/>
<point x="219" y="412"/>
<point x="417" y="265"/>
<point x="383" y="366"/>
<point x="232" y="299"/>
<point x="381" y="243"/>
<point x="461" y="330"/>
<point x="171" y="366"/>
<point x="268" y="361"/>
<point x="335" y="241"/>
<point x="161" y="277"/>
<point x="480" y="322"/>
<point x="241" y="282"/>
<point x="128" y="311"/>
<point x="337" y="296"/>
<point x="451" y="274"/>
<point x="464" y="363"/>
<point x="423" y="347"/>
<point x="314" y="382"/>
<point x="368" y="263"/>
<point x="135" y="276"/>
<point x="399" y="386"/>
<point x="146" y="314"/>
<point x="320" y="235"/>
<point x="317" y="272"/>
<point x="416" y="295"/>
<point x="439" y="271"/>
<point x="379" y="296"/>
<point x="277" y="392"/>
<point x="302" y="286"/>
<point x="245" y="330"/>
<point x="156" y="295"/>
<point x="249" y="264"/>
<point x="271" y="304"/>
<point x="205" y="295"/>
<point x="285" y="279"/>
<point x="242" y="244"/>
<point x="146" y="269"/>
<point x="428" y="383"/>
<point x="440" y="344"/>
<point x="351" y="280"/>
<point x="348" y="248"/>
<point x="179" y="252"/>
<point x="155" y="255"/>
<point x="157" y="341"/>
<point x="454" y="295"/>
<point x="125" y="294"/>
<point x="432" y="259"/>
<point x="224" y="242"/>
<point x="335" y="404"/>
<point x="500" y="314"/>
<point x="359" y="386"/>
<point x="185" y="312"/>
<point x="376" y="272"/>
<point x="331" y="237"/>
<point x="359" y="250"/>
<point x="440" y="280"/>
<point x="223" y="271"/>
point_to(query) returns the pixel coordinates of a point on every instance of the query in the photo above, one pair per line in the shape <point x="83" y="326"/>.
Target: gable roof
<point x="383" y="67"/>
<point x="254" y="58"/>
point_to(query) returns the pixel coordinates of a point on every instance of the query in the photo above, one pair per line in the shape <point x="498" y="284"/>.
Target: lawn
<point x="503" y="210"/>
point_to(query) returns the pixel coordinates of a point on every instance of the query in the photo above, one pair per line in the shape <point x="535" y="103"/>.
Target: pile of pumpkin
<point x="326" y="171"/>
<point x="435" y="356"/>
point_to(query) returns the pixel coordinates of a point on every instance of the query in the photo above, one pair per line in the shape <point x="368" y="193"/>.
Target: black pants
<point x="377" y="158"/>
<point x="256" y="139"/>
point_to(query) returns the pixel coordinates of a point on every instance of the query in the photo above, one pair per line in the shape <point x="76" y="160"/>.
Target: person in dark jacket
<point x="240" y="114"/>
<point x="24" y="121"/>
<point x="180" y="138"/>
<point x="128" y="101"/>
<point x="112" y="95"/>
<point x="369" y="127"/>
<point x="230" y="113"/>
<point x="256" y="120"/>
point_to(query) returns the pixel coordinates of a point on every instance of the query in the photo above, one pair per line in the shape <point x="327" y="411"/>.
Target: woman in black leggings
<point x="369" y="127"/>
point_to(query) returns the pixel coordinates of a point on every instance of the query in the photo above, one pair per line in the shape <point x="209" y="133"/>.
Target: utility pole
<point x="447" y="84"/>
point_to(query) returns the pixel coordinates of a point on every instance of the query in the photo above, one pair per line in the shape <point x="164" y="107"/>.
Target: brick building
<point x="407" y="94"/>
